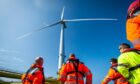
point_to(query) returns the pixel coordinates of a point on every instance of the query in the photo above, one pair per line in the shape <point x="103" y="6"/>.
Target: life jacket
<point x="119" y="79"/>
<point x="76" y="64"/>
<point x="114" y="75"/>
<point x="74" y="71"/>
<point x="31" y="74"/>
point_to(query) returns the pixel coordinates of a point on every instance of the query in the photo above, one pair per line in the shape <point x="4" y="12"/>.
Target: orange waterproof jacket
<point x="34" y="75"/>
<point x="133" y="24"/>
<point x="133" y="31"/>
<point x="114" y="75"/>
<point x="69" y="74"/>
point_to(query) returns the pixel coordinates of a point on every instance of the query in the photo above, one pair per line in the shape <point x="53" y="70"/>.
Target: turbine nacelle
<point x="63" y="23"/>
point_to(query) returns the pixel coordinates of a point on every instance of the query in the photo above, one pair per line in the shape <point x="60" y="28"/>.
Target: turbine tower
<point x="63" y="21"/>
<point x="62" y="56"/>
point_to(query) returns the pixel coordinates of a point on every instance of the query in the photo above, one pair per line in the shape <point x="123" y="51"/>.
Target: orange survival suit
<point x="114" y="75"/>
<point x="35" y="75"/>
<point x="74" y="71"/>
<point x="133" y="24"/>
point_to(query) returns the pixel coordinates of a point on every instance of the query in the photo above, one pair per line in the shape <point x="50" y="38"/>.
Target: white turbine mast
<point x="63" y="21"/>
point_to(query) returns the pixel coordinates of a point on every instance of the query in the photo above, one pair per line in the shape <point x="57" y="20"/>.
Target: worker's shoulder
<point x="82" y="64"/>
<point x="35" y="71"/>
<point x="130" y="53"/>
<point x="121" y="57"/>
<point x="125" y="54"/>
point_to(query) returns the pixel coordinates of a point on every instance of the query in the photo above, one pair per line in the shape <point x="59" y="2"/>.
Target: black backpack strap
<point x="135" y="67"/>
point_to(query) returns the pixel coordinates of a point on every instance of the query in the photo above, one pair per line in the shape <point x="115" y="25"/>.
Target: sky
<point x="93" y="42"/>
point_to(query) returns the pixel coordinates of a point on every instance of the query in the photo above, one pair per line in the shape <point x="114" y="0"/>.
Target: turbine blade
<point x="62" y="14"/>
<point x="28" y="34"/>
<point x="23" y="36"/>
<point x="88" y="19"/>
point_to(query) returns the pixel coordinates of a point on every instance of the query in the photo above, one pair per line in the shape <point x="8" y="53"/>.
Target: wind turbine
<point x="62" y="21"/>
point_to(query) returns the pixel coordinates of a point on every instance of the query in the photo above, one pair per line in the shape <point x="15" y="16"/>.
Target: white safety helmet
<point x="38" y="58"/>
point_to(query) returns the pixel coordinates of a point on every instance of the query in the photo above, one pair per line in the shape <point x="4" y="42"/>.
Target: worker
<point x="133" y="24"/>
<point x="114" y="75"/>
<point x="74" y="71"/>
<point x="129" y="63"/>
<point x="35" y="74"/>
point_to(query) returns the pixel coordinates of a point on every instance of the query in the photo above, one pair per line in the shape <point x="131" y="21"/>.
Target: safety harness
<point x="75" y="63"/>
<point x="32" y="71"/>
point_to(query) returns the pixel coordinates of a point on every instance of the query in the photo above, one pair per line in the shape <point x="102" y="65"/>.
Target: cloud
<point x="5" y="59"/>
<point x="18" y="59"/>
<point x="7" y="55"/>
<point x="39" y="3"/>
<point x="2" y="50"/>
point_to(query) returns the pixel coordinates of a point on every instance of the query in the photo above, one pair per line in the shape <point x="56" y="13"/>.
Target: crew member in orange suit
<point x="74" y="71"/>
<point x="133" y="24"/>
<point x="114" y="75"/>
<point x="35" y="74"/>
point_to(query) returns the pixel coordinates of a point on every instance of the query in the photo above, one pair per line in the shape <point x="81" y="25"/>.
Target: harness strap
<point x="75" y="63"/>
<point x="76" y="71"/>
<point x="73" y="77"/>
<point x="135" y="67"/>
